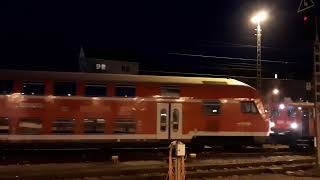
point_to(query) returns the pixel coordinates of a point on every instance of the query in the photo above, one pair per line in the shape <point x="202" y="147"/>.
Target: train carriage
<point x="51" y="108"/>
<point x="292" y="123"/>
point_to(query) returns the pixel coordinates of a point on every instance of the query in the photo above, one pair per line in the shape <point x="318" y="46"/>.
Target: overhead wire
<point x="230" y="58"/>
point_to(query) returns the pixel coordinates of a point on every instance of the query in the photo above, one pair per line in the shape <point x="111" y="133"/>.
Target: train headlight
<point x="272" y="124"/>
<point x="294" y="125"/>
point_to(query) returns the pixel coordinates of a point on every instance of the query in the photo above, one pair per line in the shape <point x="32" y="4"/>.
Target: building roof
<point x="98" y="77"/>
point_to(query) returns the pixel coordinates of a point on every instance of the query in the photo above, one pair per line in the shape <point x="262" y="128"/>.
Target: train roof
<point x="99" y="77"/>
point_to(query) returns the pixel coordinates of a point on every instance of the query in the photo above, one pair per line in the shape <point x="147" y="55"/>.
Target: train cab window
<point x="33" y="88"/>
<point x="124" y="126"/>
<point x="65" y="88"/>
<point x="249" y="107"/>
<point x="211" y="107"/>
<point x="4" y="125"/>
<point x="275" y="113"/>
<point x="96" y="90"/>
<point x="6" y="86"/>
<point x="93" y="125"/>
<point x="170" y="91"/>
<point x="291" y="111"/>
<point x="29" y="126"/>
<point x="63" y="126"/>
<point x="125" y="90"/>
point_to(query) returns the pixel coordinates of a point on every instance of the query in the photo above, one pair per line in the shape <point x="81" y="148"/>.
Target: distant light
<point x="276" y="76"/>
<point x="294" y="125"/>
<point x="266" y="111"/>
<point x="69" y="94"/>
<point x="32" y="93"/>
<point x="275" y="91"/>
<point x="300" y="108"/>
<point x="214" y="110"/>
<point x="282" y="106"/>
<point x="22" y="93"/>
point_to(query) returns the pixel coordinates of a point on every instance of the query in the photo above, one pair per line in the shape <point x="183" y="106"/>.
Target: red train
<point x="292" y="123"/>
<point x="51" y="108"/>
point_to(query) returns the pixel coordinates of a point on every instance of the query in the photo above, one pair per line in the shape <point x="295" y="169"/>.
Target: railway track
<point x="34" y="156"/>
<point x="157" y="169"/>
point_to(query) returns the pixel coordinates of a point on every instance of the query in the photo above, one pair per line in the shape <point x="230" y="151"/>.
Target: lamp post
<point x="257" y="19"/>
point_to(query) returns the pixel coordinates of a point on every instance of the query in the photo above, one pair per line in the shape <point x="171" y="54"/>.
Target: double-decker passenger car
<point x="292" y="123"/>
<point x="52" y="108"/>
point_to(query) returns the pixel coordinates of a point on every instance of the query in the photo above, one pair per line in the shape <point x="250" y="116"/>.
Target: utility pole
<point x="259" y="57"/>
<point x="257" y="19"/>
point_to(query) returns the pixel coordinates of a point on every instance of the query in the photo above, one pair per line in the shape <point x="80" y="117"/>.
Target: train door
<point x="169" y="120"/>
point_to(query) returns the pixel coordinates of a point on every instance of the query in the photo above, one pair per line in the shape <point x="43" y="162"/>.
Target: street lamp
<point x="257" y="19"/>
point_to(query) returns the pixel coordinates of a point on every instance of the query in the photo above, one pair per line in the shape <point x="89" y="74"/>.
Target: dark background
<point x="48" y="35"/>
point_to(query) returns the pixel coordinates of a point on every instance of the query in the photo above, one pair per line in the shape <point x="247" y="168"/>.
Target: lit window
<point x="103" y="67"/>
<point x="211" y="107"/>
<point x="248" y="107"/>
<point x="96" y="90"/>
<point x="6" y="86"/>
<point x="65" y="88"/>
<point x="125" y="90"/>
<point x="33" y="88"/>
<point x="93" y="125"/>
<point x="170" y="91"/>
<point x="29" y="126"/>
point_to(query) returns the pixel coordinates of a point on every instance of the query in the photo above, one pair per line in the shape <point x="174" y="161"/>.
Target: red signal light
<point x="305" y="18"/>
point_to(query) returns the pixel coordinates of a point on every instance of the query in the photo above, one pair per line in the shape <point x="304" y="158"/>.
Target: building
<point x="93" y="65"/>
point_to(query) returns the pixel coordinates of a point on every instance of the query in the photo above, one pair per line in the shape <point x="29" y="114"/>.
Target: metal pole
<point x="259" y="57"/>
<point x="316" y="54"/>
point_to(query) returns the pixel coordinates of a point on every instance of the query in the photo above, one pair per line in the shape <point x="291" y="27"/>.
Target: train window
<point x="33" y="88"/>
<point x="63" y="126"/>
<point x="248" y="107"/>
<point x="163" y="119"/>
<point x="125" y="90"/>
<point x="4" y="125"/>
<point x="211" y="107"/>
<point x="29" y="126"/>
<point x="6" y="86"/>
<point x="65" y="88"/>
<point x="96" y="90"/>
<point x="127" y="126"/>
<point x="93" y="125"/>
<point x="175" y="120"/>
<point x="170" y="91"/>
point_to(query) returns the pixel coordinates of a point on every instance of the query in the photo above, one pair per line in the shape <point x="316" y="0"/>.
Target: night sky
<point x="161" y="35"/>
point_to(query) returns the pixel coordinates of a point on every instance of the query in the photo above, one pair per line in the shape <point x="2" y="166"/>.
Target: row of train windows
<point x="214" y="107"/>
<point x="67" y="126"/>
<point x="69" y="89"/>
